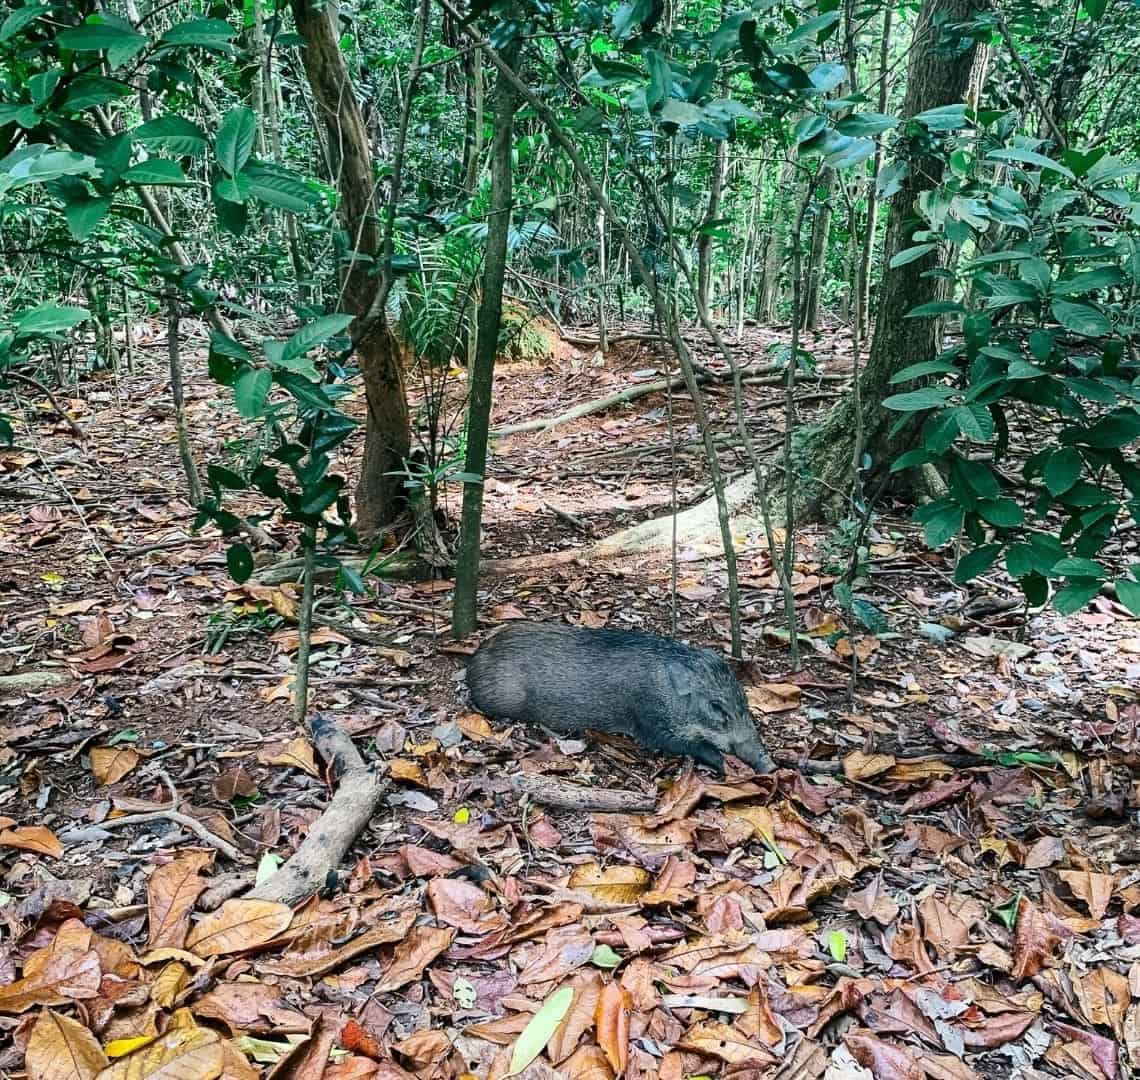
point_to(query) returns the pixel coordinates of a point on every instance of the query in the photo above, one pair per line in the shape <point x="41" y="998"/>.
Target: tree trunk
<point x="464" y="613"/>
<point x="821" y="230"/>
<point x="768" y="301"/>
<point x="379" y="489"/>
<point x="863" y="282"/>
<point x="705" y="240"/>
<point x="933" y="80"/>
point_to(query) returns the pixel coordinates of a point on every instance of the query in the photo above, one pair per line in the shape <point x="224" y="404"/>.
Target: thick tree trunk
<point x="379" y="489"/>
<point x="826" y="453"/>
<point x="464" y="611"/>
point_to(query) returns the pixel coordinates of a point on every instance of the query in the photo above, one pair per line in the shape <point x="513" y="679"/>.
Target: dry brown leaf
<point x="67" y="970"/>
<point x="726" y="1043"/>
<point x="171" y="891"/>
<point x="422" y="945"/>
<point x="587" y="1063"/>
<point x="942" y="928"/>
<point x="873" y="902"/>
<point x="290" y="639"/>
<point x="182" y="1053"/>
<point x="885" y="1060"/>
<point x="109" y="764"/>
<point x="475" y="726"/>
<point x="611" y="1018"/>
<point x="169" y="984"/>
<point x="60" y="1048"/>
<point x="774" y="697"/>
<point x="1104" y="997"/>
<point x="615" y="884"/>
<point x="579" y="1018"/>
<point x="1034" y="938"/>
<point x="251" y="1006"/>
<point x="565" y="949"/>
<point x="314" y="956"/>
<point x="411" y="772"/>
<point x="860" y="766"/>
<point x="864" y="648"/>
<point x="238" y="925"/>
<point x="297" y="754"/>
<point x="464" y="905"/>
<point x="1094" y="889"/>
<point x="424" y="1048"/>
<point x="1045" y="851"/>
<point x="37" y="838"/>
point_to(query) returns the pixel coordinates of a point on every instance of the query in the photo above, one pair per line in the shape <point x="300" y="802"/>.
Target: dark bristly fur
<point x="664" y="695"/>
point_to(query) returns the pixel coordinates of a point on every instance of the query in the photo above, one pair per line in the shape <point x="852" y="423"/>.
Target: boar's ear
<point x="680" y="679"/>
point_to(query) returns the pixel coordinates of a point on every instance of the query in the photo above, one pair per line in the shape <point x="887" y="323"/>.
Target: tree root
<point x="359" y="791"/>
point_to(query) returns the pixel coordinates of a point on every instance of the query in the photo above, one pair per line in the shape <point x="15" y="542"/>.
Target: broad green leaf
<point x="826" y="77"/>
<point x="539" y="1029"/>
<point x="1128" y="593"/>
<point x="120" y="42"/>
<point x="83" y="215"/>
<point x="924" y="367"/>
<point x="1081" y="319"/>
<point x="944" y="118"/>
<point x="813" y="28"/>
<point x="1095" y="8"/>
<point x="1029" y="157"/>
<point x="239" y="562"/>
<point x="155" y="171"/>
<point x="912" y="458"/>
<point x="49" y="319"/>
<point x="1072" y="598"/>
<point x="1090" y="281"/>
<point x="660" y="77"/>
<point x="681" y="113"/>
<point x="314" y="333"/>
<point x="1003" y="513"/>
<point x="208" y="33"/>
<point x="1019" y="560"/>
<point x="93" y="90"/>
<point x="936" y="307"/>
<point x="604" y="957"/>
<point x="21" y="18"/>
<point x="926" y="397"/>
<point x="235" y="139"/>
<point x="250" y="392"/>
<point x="1062" y="470"/>
<point x="837" y="946"/>
<point x="862" y="124"/>
<point x="808" y="127"/>
<point x="976" y="562"/>
<point x="279" y="187"/>
<point x="1079" y="568"/>
<point x="943" y="526"/>
<point x="172" y="133"/>
<point x="911" y="254"/>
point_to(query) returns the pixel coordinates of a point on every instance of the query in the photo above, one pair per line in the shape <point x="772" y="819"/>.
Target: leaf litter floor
<point x="971" y="913"/>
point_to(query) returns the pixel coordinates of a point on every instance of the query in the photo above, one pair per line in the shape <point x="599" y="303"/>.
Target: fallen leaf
<point x="238" y="925"/>
<point x="774" y="697"/>
<point x="297" y="754"/>
<point x="615" y="884"/>
<point x="726" y="1043"/>
<point x="421" y="946"/>
<point x="860" y="766"/>
<point x="1034" y="939"/>
<point x="612" y="1019"/>
<point x="60" y="1048"/>
<point x="873" y="902"/>
<point x="171" y="891"/>
<point x="109" y="764"/>
<point x="35" y="838"/>
<point x="534" y="1037"/>
<point x="1094" y="889"/>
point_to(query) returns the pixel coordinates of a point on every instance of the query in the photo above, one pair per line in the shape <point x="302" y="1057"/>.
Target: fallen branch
<point x="173" y="814"/>
<point x="360" y="789"/>
<point x="31" y="681"/>
<point x="27" y="380"/>
<point x="563" y="796"/>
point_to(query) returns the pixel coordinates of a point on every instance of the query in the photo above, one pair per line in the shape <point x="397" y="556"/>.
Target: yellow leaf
<point x="117" y="1048"/>
<point x="109" y="764"/>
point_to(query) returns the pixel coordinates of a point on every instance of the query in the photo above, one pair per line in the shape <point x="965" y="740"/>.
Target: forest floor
<point x="960" y="900"/>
